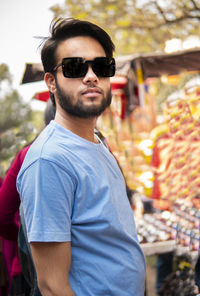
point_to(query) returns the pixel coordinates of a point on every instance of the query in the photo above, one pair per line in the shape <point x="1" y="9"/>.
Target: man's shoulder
<point x="53" y="145"/>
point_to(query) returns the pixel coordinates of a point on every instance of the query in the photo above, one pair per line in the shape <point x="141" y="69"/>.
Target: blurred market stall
<point x="160" y="160"/>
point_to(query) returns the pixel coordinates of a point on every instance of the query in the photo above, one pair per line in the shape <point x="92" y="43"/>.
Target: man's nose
<point x="90" y="76"/>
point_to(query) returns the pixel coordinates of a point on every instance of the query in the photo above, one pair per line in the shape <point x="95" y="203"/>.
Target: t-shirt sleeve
<point x="47" y="194"/>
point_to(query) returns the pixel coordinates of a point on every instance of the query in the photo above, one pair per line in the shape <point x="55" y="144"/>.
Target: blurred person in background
<point x="197" y="273"/>
<point x="9" y="218"/>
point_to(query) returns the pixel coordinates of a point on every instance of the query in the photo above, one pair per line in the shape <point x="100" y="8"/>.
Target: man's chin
<point x="87" y="111"/>
<point x="92" y="100"/>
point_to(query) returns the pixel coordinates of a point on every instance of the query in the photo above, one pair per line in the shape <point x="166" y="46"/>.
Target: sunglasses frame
<point x="111" y="62"/>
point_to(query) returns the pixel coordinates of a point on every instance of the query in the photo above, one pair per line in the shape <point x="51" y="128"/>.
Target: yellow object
<point x="139" y="76"/>
<point x="159" y="131"/>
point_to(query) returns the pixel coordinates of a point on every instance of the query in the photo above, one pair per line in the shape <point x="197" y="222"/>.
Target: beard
<point x="79" y="109"/>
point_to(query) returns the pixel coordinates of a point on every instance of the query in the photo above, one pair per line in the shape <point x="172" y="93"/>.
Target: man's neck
<point x="83" y="127"/>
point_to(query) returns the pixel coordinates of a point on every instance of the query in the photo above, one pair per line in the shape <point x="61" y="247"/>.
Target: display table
<point x="158" y="247"/>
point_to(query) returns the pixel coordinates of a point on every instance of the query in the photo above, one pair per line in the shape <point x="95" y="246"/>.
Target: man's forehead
<point x="80" y="46"/>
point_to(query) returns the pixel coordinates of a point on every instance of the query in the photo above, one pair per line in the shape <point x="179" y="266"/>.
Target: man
<point x="78" y="219"/>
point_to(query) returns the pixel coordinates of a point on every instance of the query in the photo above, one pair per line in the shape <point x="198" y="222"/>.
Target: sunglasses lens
<point x="74" y="67"/>
<point x="78" y="67"/>
<point x="104" y="67"/>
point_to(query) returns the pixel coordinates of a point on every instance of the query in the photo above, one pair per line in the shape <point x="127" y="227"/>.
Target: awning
<point x="153" y="65"/>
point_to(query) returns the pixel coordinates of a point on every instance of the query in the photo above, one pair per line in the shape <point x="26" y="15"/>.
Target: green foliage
<point x="16" y="128"/>
<point x="38" y="120"/>
<point x="4" y="73"/>
<point x="137" y="26"/>
<point x="13" y="111"/>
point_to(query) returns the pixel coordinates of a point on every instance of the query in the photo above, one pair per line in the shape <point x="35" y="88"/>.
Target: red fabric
<point x="155" y="158"/>
<point x="123" y="108"/>
<point x="42" y="96"/>
<point x="9" y="214"/>
<point x="118" y="82"/>
<point x="10" y="200"/>
<point x="156" y="194"/>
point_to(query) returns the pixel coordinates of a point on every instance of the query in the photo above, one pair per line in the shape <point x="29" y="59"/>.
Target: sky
<point x="20" y="21"/>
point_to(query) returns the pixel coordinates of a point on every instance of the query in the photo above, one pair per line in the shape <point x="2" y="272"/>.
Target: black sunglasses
<point x="76" y="67"/>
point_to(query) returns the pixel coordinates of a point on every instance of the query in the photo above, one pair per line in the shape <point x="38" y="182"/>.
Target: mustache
<point x="92" y="86"/>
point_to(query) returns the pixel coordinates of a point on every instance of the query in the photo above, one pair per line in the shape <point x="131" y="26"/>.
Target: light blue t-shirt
<point x="73" y="190"/>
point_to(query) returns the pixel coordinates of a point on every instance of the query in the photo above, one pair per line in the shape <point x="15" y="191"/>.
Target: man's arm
<point x="52" y="262"/>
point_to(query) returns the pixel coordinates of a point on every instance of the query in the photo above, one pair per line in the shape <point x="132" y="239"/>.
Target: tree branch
<point x="143" y="26"/>
<point x="180" y="19"/>
<point x="195" y="5"/>
<point x="160" y="10"/>
<point x="187" y="14"/>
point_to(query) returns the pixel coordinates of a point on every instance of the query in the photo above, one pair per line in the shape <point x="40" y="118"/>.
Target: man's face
<point x="87" y="96"/>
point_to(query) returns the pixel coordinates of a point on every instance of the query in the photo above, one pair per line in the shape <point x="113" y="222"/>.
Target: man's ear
<point x="50" y="82"/>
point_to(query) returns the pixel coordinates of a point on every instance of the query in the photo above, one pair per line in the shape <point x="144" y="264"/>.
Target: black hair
<point x="50" y="112"/>
<point x="65" y="28"/>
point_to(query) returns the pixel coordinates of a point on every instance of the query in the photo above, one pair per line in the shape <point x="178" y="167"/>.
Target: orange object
<point x="162" y="204"/>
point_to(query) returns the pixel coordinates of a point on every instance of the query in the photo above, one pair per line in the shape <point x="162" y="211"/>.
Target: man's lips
<point x="91" y="92"/>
